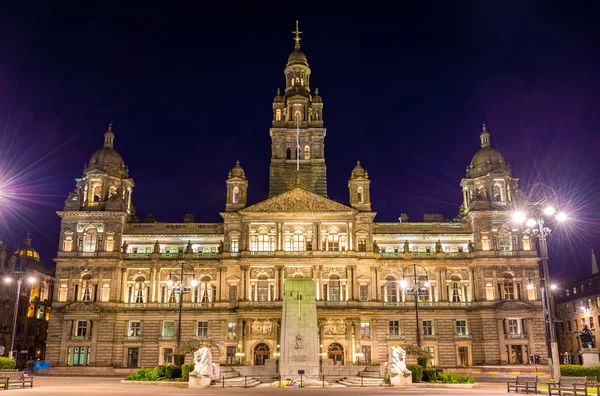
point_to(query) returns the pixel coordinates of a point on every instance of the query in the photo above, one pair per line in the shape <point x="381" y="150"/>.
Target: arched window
<point x="334" y="288"/>
<point x="89" y="244"/>
<point x="455" y="289"/>
<point x="504" y="240"/>
<point x="297" y="115"/>
<point x="236" y="195"/>
<point x="288" y="153"/>
<point x="298" y="241"/>
<point x="262" y="288"/>
<point x="140" y="290"/>
<point x="261" y="354"/>
<point x="508" y="287"/>
<point x="206" y="295"/>
<point x="481" y="191"/>
<point x="97" y="192"/>
<point x="360" y="195"/>
<point x="497" y="193"/>
<point x="391" y="289"/>
<point x="306" y="152"/>
<point x="112" y="190"/>
<point x="86" y="288"/>
<point x="278" y="115"/>
<point x="336" y="352"/>
<point x="297" y="80"/>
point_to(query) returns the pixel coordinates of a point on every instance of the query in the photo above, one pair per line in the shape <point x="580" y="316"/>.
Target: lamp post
<point x="416" y="288"/>
<point x="181" y="287"/>
<point x="534" y="220"/>
<point x="20" y="276"/>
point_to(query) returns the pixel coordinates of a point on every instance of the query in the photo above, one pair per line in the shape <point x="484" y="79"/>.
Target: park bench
<point x="568" y="386"/>
<point x="15" y="378"/>
<point x="527" y="383"/>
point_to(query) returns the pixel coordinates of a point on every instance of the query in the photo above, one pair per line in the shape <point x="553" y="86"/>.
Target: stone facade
<point x="117" y="301"/>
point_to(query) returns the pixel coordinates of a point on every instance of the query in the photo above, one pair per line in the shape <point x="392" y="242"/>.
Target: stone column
<point x="501" y="343"/>
<point x="349" y="283"/>
<point x="377" y="289"/>
<point x="281" y="280"/>
<point x="276" y="296"/>
<point x="244" y="282"/>
<point x="153" y="288"/>
<point x="318" y="236"/>
<point x="279" y="236"/>
<point x="443" y="285"/>
<point x="350" y="237"/>
<point x="123" y="285"/>
<point x="471" y="286"/>
<point x="315" y="235"/>
<point x="219" y="283"/>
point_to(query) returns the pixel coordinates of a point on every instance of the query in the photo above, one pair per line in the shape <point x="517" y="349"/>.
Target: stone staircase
<point x="359" y="381"/>
<point x="233" y="379"/>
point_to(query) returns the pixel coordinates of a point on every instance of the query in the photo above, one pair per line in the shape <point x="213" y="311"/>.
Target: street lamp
<point x="182" y="290"/>
<point x="20" y="276"/>
<point x="534" y="219"/>
<point x="415" y="289"/>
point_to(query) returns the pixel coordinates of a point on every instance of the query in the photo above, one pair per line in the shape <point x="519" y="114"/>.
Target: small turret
<point x="359" y="189"/>
<point x="237" y="188"/>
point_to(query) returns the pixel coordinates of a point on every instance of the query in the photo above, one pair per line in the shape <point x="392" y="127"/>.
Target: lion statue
<point x="397" y="364"/>
<point x="203" y="365"/>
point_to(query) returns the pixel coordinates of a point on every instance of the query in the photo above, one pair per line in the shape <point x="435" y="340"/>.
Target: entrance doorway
<point x="261" y="353"/>
<point x="230" y="355"/>
<point x="463" y="356"/>
<point x="336" y="353"/>
<point x="366" y="350"/>
<point x="133" y="357"/>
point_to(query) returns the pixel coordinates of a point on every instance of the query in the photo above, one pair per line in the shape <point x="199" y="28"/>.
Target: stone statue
<point x="189" y="248"/>
<point x="204" y="369"/>
<point x="399" y="374"/>
<point x="406" y="248"/>
<point x="438" y="247"/>
<point x="221" y="247"/>
<point x="587" y="338"/>
<point x="376" y="247"/>
<point x="471" y="247"/>
<point x="156" y="247"/>
<point x="125" y="247"/>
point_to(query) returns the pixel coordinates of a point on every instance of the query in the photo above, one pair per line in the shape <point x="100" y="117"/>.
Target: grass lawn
<point x="590" y="391"/>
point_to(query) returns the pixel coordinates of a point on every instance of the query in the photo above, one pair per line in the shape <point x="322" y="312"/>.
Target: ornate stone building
<point x="117" y="280"/>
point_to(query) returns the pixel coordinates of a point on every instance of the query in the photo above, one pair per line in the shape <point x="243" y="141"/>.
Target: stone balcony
<point x="516" y="336"/>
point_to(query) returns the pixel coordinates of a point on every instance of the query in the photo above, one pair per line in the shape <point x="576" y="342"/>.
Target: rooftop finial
<point x="110" y="126"/>
<point x="485" y="137"/>
<point x="109" y="137"/>
<point x="297" y="38"/>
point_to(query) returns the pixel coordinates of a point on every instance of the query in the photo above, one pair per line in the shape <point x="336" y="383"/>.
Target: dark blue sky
<point x="406" y="89"/>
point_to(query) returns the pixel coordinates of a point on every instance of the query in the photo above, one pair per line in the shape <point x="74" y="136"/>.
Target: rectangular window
<point x="589" y="302"/>
<point x="428" y="327"/>
<point x="202" y="329"/>
<point x="575" y="324"/>
<point x="461" y="328"/>
<point x="62" y="292"/>
<point x="569" y="325"/>
<point x="105" y="293"/>
<point x="362" y="244"/>
<point x="363" y="293"/>
<point x="168" y="330"/>
<point x="234" y="246"/>
<point x="231" y="330"/>
<point x="365" y="329"/>
<point x="81" y="330"/>
<point x="431" y="360"/>
<point x="597" y="301"/>
<point x="167" y="355"/>
<point x="513" y="326"/>
<point x="394" y="327"/>
<point x="68" y="242"/>
<point x="591" y="323"/>
<point x="134" y="329"/>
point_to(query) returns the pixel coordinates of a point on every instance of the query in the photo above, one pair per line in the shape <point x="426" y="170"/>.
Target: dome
<point x="237" y="171"/>
<point x="359" y="171"/>
<point x="27" y="251"/>
<point x="107" y="159"/>
<point x="297" y="57"/>
<point x="487" y="159"/>
<point x="278" y="98"/>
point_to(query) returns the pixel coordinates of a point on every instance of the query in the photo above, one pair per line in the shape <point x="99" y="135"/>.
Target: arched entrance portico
<point x="336" y="352"/>
<point x="261" y="353"/>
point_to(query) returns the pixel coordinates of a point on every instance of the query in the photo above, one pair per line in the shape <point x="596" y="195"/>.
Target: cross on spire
<point x="297" y="38"/>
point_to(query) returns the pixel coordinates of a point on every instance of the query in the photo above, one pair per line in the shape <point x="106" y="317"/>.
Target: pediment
<point x="298" y="200"/>
<point x="79" y="306"/>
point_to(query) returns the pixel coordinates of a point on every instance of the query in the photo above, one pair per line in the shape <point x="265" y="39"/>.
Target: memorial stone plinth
<point x="589" y="357"/>
<point x="299" y="329"/>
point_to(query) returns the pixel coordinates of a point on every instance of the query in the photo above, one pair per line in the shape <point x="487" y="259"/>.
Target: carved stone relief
<point x="339" y="271"/>
<point x="262" y="327"/>
<point x="334" y="327"/>
<point x="306" y="272"/>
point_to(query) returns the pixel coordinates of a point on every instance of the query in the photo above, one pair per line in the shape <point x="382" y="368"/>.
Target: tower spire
<point x="297" y="38"/>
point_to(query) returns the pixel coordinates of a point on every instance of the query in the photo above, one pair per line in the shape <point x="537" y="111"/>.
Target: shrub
<point x="454" y="378"/>
<point x="160" y="371"/>
<point x="151" y="375"/>
<point x="172" y="372"/>
<point x="429" y="375"/>
<point x="7" y="363"/>
<point x="574" y="370"/>
<point x="422" y="361"/>
<point x="185" y="371"/>
<point x="417" y="372"/>
<point x="178" y="359"/>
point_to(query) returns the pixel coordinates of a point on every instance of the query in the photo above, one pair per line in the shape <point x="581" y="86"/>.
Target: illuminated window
<point x="68" y="242"/>
<point x="262" y="288"/>
<point x="86" y="288"/>
<point x="461" y="328"/>
<point x="391" y="289"/>
<point x="306" y="152"/>
<point x="504" y="241"/>
<point x="205" y="287"/>
<point x="62" y="292"/>
<point x="236" y="195"/>
<point x="508" y="287"/>
<point x="278" y="115"/>
<point x="105" y="292"/>
<point x="456" y="289"/>
<point x="89" y="244"/>
<point x="360" y="195"/>
<point x="334" y="288"/>
<point x="365" y="329"/>
<point x="489" y="291"/>
<point x="134" y="329"/>
<point x="514" y="326"/>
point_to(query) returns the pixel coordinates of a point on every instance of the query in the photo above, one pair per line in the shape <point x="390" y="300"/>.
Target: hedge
<point x="172" y="372"/>
<point x="160" y="370"/>
<point x="574" y="370"/>
<point x="429" y="375"/>
<point x="422" y="361"/>
<point x="185" y="371"/>
<point x="7" y="363"/>
<point x="178" y="359"/>
<point x="455" y="378"/>
<point x="417" y="372"/>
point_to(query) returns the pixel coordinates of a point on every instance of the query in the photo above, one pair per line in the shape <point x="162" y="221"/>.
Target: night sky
<point x="405" y="90"/>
